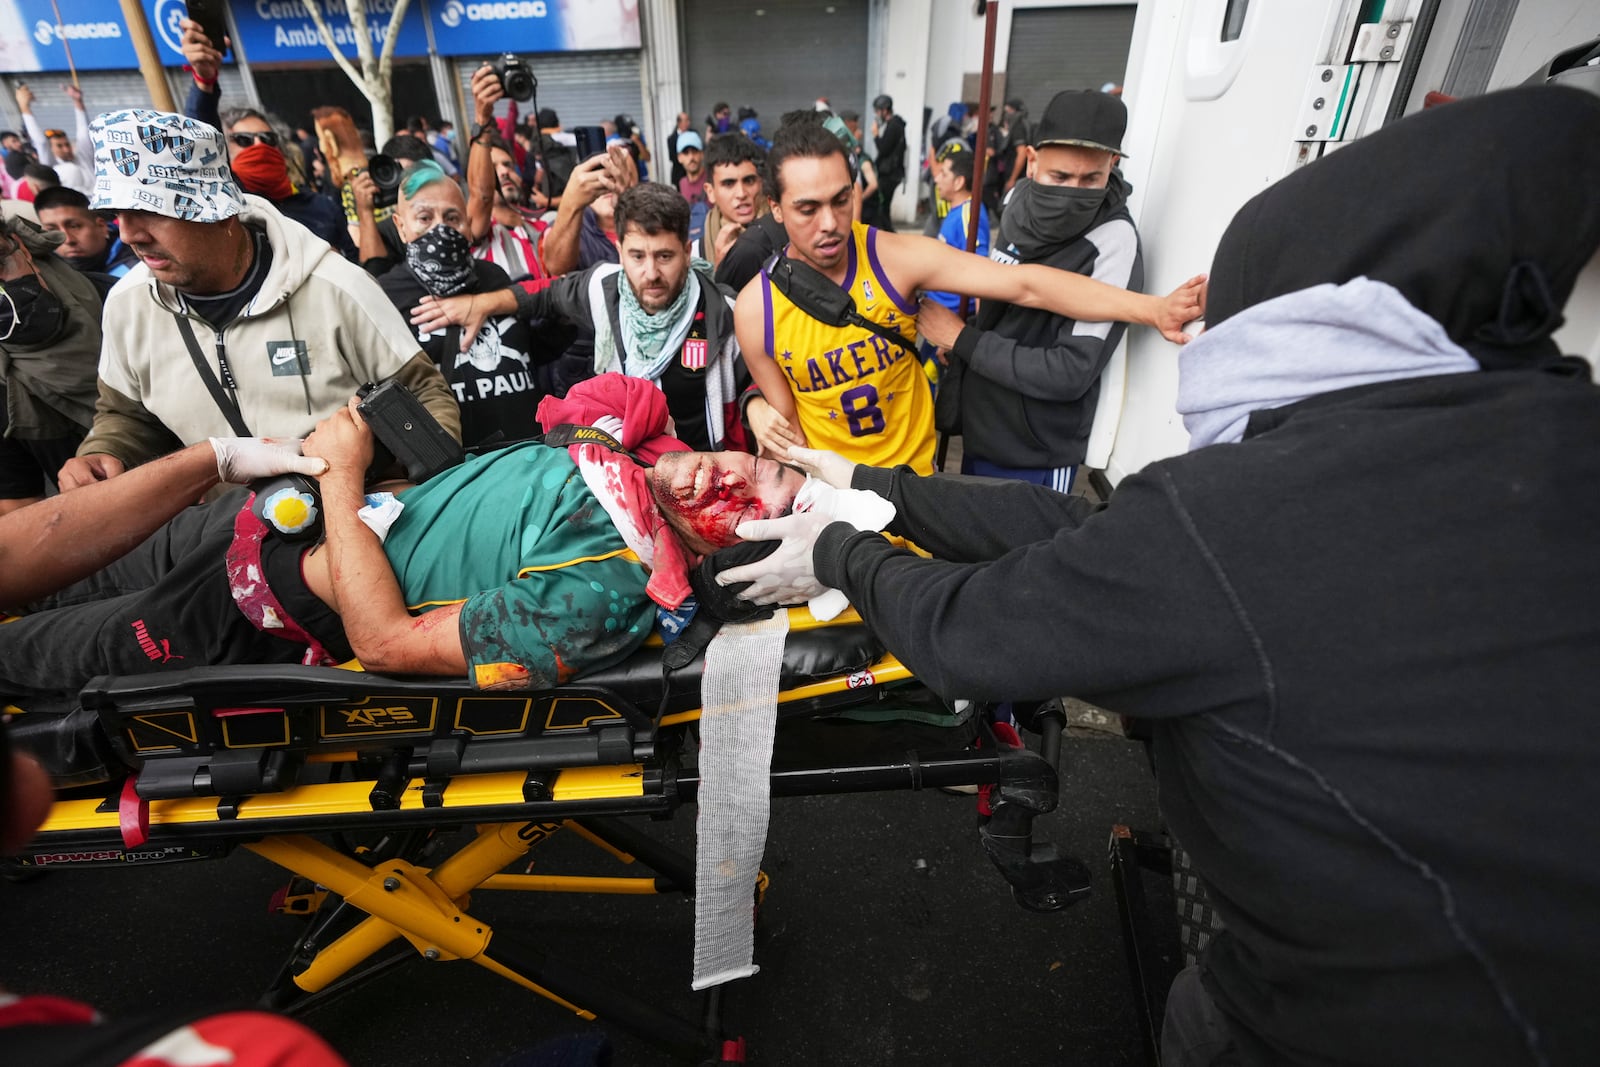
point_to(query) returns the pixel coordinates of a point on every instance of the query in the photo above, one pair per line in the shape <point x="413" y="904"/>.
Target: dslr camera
<point x="386" y="174"/>
<point x="516" y="77"/>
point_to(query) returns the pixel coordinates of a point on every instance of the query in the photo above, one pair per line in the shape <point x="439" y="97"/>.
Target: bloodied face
<point x="706" y="495"/>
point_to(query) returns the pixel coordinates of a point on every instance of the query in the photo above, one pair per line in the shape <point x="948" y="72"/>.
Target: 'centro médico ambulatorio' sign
<point x="281" y="31"/>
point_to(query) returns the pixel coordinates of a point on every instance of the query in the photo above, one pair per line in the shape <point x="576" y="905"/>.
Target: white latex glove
<point x="788" y="576"/>
<point x="609" y="424"/>
<point x="825" y="466"/>
<point x="244" y="459"/>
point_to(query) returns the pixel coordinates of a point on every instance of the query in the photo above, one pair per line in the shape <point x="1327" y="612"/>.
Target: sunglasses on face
<point x="245" y="140"/>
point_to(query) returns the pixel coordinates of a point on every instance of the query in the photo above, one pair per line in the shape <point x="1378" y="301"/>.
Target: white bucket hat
<point x="173" y="165"/>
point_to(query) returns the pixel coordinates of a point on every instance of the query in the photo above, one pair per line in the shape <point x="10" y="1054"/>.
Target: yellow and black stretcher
<point x="295" y="763"/>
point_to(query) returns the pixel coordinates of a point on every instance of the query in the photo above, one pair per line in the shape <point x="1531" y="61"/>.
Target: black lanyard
<point x="228" y="402"/>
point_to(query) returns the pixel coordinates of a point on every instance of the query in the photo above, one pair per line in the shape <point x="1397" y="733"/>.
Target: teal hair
<point x="421" y="175"/>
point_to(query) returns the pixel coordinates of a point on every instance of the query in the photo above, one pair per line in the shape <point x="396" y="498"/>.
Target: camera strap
<point x="568" y="434"/>
<point x="229" y="406"/>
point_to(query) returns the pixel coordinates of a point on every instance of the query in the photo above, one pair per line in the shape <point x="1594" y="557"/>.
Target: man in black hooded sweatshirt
<point x="1362" y="614"/>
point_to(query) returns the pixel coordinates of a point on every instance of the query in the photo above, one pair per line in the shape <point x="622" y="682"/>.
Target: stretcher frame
<point x="191" y="800"/>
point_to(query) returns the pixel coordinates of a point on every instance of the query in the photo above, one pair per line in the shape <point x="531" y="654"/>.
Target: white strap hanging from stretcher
<point x="739" y="691"/>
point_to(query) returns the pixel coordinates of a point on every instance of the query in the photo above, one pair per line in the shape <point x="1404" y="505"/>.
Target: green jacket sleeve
<point x="422" y="377"/>
<point x="123" y="428"/>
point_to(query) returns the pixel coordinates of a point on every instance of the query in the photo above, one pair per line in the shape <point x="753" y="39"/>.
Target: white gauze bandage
<point x="739" y="712"/>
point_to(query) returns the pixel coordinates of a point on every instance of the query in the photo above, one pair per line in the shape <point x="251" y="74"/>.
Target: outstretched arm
<point x="382" y="633"/>
<point x="1070" y="604"/>
<point x="81" y="141"/>
<point x="205" y="65"/>
<point x="924" y="263"/>
<point x="55" y="542"/>
<point x="1069" y="363"/>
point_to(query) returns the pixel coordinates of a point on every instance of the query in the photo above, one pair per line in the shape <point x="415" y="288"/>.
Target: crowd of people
<point x="192" y="301"/>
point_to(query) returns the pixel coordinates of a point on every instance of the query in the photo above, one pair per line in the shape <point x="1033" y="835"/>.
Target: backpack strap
<point x="810" y="290"/>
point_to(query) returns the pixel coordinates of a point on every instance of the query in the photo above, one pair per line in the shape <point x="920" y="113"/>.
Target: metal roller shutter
<point x="103" y="90"/>
<point x="774" y="56"/>
<point x="1066" y="48"/>
<point x="585" y="88"/>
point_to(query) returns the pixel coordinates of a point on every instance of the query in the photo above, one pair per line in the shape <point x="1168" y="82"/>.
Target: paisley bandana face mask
<point x="441" y="259"/>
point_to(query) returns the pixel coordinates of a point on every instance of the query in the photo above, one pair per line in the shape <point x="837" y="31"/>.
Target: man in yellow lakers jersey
<point x="847" y="389"/>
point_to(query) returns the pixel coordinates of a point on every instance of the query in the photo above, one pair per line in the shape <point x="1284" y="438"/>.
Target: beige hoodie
<point x="152" y="399"/>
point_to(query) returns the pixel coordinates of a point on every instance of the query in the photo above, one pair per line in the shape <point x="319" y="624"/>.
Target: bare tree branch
<point x="314" y="9"/>
<point x="391" y="37"/>
<point x="375" y="78"/>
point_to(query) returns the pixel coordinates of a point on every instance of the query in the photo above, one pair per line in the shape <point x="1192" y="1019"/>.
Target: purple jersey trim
<point x="883" y="279"/>
<point x="850" y="268"/>
<point x="766" y="302"/>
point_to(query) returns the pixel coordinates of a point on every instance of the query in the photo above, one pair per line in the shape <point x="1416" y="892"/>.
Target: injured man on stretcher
<point x="520" y="568"/>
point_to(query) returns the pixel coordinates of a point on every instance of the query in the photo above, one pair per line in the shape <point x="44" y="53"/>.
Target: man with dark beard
<point x="653" y="316"/>
<point x="1029" y="378"/>
<point x="502" y="229"/>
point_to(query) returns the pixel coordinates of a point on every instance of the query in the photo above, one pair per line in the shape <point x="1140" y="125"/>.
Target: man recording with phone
<point x="584" y="231"/>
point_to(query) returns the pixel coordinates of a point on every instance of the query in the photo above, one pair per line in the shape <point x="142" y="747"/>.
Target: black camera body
<point x="407" y="431"/>
<point x="408" y="436"/>
<point x="386" y="174"/>
<point x="516" y="77"/>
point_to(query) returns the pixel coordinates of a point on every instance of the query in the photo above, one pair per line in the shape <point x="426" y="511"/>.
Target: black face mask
<point x="38" y="316"/>
<point x="1044" y="217"/>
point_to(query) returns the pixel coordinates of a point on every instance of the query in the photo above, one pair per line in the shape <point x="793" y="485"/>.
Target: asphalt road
<point x="886" y="938"/>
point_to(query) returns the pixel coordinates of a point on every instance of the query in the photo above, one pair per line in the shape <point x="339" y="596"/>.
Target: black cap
<point x="1016" y="104"/>
<point x="1083" y="117"/>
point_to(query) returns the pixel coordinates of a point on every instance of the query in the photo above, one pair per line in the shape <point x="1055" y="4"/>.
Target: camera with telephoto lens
<point x="516" y="77"/>
<point x="386" y="174"/>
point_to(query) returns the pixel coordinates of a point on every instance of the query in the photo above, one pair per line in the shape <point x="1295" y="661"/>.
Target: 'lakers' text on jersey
<point x="857" y="394"/>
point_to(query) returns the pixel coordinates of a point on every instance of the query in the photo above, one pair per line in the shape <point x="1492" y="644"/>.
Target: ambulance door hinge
<point x="1382" y="42"/>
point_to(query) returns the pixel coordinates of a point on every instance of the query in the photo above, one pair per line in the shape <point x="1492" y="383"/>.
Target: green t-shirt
<point x="548" y="588"/>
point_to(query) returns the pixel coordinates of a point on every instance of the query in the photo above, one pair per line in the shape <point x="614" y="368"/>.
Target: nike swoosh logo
<point x="282" y="356"/>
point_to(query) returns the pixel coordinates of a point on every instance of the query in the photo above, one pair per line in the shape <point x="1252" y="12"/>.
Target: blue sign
<point x="279" y="31"/>
<point x="32" y="39"/>
<point x="479" y="27"/>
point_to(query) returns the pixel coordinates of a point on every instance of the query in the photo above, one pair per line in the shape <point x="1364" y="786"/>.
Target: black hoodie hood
<point x="1481" y="212"/>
